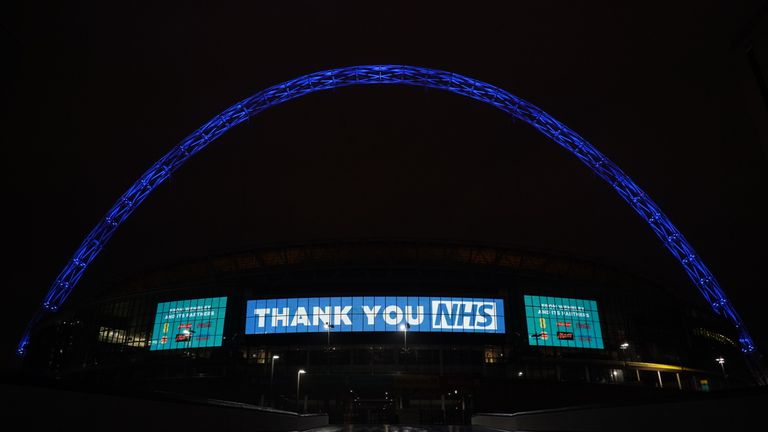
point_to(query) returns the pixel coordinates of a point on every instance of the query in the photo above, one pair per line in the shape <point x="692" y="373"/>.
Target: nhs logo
<point x="464" y="315"/>
<point x="375" y="314"/>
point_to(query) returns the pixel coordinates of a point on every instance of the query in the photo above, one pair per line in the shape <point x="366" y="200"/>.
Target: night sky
<point x="95" y="94"/>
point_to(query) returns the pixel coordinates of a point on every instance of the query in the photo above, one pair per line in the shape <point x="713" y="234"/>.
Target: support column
<point x="442" y="404"/>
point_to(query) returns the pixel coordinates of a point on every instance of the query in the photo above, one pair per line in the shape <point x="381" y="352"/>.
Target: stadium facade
<point x="389" y="331"/>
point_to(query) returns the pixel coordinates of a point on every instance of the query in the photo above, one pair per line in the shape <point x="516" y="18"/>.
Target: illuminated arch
<point x="391" y="74"/>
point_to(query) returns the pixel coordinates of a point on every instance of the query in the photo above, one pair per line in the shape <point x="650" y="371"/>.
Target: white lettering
<point x="280" y="316"/>
<point x="414" y="320"/>
<point x="340" y="314"/>
<point x="321" y="316"/>
<point x="300" y="317"/>
<point x="393" y="309"/>
<point x="261" y="313"/>
<point x="370" y="313"/>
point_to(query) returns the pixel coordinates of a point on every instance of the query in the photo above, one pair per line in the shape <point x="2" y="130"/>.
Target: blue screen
<point x="375" y="314"/>
<point x="563" y="322"/>
<point x="189" y="324"/>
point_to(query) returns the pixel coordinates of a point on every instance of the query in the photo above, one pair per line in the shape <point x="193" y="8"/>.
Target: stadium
<point x="385" y="331"/>
<point x="393" y="218"/>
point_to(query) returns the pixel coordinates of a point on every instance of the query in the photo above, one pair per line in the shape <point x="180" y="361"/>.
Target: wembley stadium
<point x="390" y="331"/>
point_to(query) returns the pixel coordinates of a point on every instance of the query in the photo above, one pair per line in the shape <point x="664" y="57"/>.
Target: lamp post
<point x="721" y="361"/>
<point x="298" y="383"/>
<point x="624" y="346"/>
<point x="272" y="378"/>
<point x="328" y="326"/>
<point x="404" y="328"/>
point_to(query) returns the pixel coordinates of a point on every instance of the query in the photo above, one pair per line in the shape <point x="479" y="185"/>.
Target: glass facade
<point x="131" y="328"/>
<point x="122" y="337"/>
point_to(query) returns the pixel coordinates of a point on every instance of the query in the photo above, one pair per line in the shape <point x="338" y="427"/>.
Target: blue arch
<point x="669" y="235"/>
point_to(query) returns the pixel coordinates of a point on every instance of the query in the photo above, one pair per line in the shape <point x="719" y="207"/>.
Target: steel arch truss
<point x="391" y="74"/>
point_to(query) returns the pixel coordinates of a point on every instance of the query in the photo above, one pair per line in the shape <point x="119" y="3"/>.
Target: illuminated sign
<point x="375" y="314"/>
<point x="563" y="322"/>
<point x="189" y="324"/>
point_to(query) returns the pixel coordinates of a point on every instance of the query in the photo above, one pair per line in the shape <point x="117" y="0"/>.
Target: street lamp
<point x="298" y="383"/>
<point x="720" y="360"/>
<point x="624" y="345"/>
<point x="404" y="328"/>
<point x="272" y="377"/>
<point x="328" y="326"/>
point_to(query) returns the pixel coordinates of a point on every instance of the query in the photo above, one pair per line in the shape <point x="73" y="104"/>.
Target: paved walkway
<point x="401" y="428"/>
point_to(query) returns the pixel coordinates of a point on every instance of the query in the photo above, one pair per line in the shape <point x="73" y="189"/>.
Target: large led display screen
<point x="563" y="322"/>
<point x="375" y="314"/>
<point x="189" y="324"/>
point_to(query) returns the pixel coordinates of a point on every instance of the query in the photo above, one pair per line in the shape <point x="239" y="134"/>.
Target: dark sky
<point x="96" y="93"/>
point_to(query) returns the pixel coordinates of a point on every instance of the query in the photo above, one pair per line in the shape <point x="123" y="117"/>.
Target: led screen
<point x="375" y="314"/>
<point x="189" y="324"/>
<point x="563" y="322"/>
